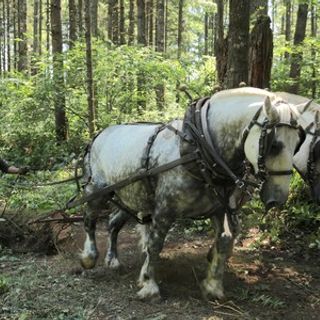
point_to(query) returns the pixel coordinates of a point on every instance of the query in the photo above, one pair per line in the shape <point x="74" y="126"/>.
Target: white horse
<point x="244" y="124"/>
<point x="307" y="160"/>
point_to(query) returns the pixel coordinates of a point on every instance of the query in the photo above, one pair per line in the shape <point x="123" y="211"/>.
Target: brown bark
<point x="35" y="49"/>
<point x="90" y="85"/>
<point x="221" y="44"/>
<point x="15" y="35"/>
<point x="149" y="9"/>
<point x="259" y="7"/>
<point x="131" y="23"/>
<point x="80" y="18"/>
<point x="238" y="36"/>
<point x="115" y="22"/>
<point x="261" y="53"/>
<point x="48" y="25"/>
<point x="22" y="29"/>
<point x="72" y="23"/>
<point x="58" y="73"/>
<point x="180" y="27"/>
<point x="122" y="23"/>
<point x="296" y="57"/>
<point x="160" y="38"/>
<point x="8" y="40"/>
<point x="206" y="33"/>
<point x="141" y="22"/>
<point x="314" y="30"/>
<point x="94" y="17"/>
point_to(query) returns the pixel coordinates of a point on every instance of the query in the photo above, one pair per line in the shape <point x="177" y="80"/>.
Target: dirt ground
<point x="264" y="283"/>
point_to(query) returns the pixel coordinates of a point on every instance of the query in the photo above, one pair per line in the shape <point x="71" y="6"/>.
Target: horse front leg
<point x="153" y="236"/>
<point x="225" y="234"/>
<point x="116" y="222"/>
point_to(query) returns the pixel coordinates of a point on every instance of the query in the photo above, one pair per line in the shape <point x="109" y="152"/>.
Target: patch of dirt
<point x="259" y="283"/>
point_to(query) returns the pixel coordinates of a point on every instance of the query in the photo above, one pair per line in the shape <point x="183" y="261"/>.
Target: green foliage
<point x="298" y="221"/>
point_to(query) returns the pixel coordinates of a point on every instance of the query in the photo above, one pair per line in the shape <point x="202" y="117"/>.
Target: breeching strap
<point x="107" y="190"/>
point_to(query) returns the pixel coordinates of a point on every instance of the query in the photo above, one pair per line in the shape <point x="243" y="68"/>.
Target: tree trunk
<point x="150" y="22"/>
<point x="94" y="17"/>
<point x="90" y="85"/>
<point x="180" y="28"/>
<point x="141" y="22"/>
<point x="35" y="49"/>
<point x="313" y="51"/>
<point x="221" y="44"/>
<point x="261" y="53"/>
<point x="115" y="22"/>
<point x="15" y="35"/>
<point x="22" y="29"/>
<point x="58" y="73"/>
<point x="72" y="23"/>
<point x="131" y="23"/>
<point x="80" y="18"/>
<point x="237" y="66"/>
<point x="122" y="23"/>
<point x="288" y="24"/>
<point x="40" y="27"/>
<point x="48" y="22"/>
<point x="160" y="39"/>
<point x="296" y="57"/>
<point x="206" y="33"/>
<point x="8" y="40"/>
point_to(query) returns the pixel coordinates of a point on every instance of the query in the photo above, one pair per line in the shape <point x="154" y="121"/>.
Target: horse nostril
<point x="271" y="204"/>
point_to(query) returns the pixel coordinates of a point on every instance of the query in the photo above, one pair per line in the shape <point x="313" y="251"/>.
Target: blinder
<point x="302" y="138"/>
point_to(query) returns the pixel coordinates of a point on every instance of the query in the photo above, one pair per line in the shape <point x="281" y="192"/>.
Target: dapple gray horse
<point x="307" y="160"/>
<point x="116" y="154"/>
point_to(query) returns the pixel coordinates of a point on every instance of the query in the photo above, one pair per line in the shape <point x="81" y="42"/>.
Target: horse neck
<point x="226" y="125"/>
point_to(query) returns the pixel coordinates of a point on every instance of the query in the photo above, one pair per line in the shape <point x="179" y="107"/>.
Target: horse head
<point x="307" y="160"/>
<point x="270" y="144"/>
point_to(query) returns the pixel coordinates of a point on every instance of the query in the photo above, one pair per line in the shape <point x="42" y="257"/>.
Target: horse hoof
<point x="212" y="289"/>
<point x="113" y="264"/>
<point x="88" y="262"/>
<point x="149" y="291"/>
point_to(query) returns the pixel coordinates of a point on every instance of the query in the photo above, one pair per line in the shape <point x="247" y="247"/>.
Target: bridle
<point x="267" y="137"/>
<point x="311" y="163"/>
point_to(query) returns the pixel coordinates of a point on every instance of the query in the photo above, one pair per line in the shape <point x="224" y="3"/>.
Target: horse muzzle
<point x="273" y="196"/>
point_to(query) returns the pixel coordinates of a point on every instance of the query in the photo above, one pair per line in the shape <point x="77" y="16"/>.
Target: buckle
<point x="240" y="184"/>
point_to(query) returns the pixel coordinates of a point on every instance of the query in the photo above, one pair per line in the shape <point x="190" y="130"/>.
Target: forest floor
<point x="260" y="283"/>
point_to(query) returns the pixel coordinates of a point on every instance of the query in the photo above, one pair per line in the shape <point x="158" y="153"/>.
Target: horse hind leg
<point x="226" y="231"/>
<point x="117" y="220"/>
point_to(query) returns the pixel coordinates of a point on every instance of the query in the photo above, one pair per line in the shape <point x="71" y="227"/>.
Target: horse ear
<point x="270" y="111"/>
<point x="302" y="107"/>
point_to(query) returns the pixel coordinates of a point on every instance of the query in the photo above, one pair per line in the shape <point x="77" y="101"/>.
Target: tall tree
<point x="141" y="22"/>
<point x="261" y="53"/>
<point x="90" y="85"/>
<point x="8" y="40"/>
<point x="288" y="24"/>
<point x="22" y="30"/>
<point x="149" y="9"/>
<point x="61" y="124"/>
<point x="80" y="17"/>
<point x="94" y="17"/>
<point x="72" y="23"/>
<point x="221" y="44"/>
<point x="238" y="38"/>
<point x="160" y="47"/>
<point x="131" y="22"/>
<point x="296" y="57"/>
<point x="122" y="23"/>
<point x="36" y="38"/>
<point x="180" y="27"/>
<point x="314" y="32"/>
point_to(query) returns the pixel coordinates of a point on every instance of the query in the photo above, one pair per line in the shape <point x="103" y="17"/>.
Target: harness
<point x="312" y="157"/>
<point x="201" y="151"/>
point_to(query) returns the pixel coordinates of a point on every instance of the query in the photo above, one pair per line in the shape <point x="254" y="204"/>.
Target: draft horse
<point x="231" y="132"/>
